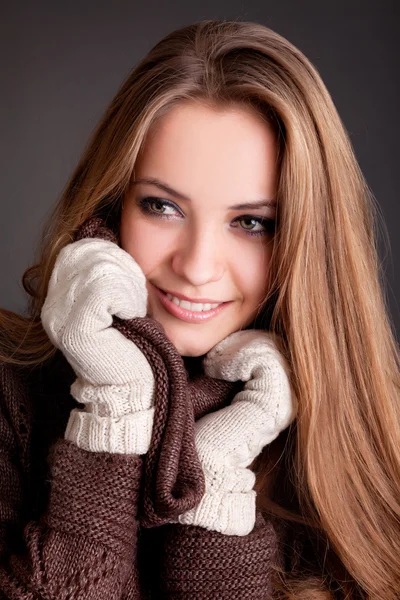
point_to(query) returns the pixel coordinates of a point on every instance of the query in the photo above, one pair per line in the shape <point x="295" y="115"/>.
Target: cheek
<point x="137" y="238"/>
<point x="251" y="269"/>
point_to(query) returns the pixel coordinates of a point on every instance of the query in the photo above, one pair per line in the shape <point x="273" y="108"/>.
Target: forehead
<point x="195" y="147"/>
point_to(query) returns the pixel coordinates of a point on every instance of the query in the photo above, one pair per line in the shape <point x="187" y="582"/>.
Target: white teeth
<point x="195" y="307"/>
<point x="192" y="306"/>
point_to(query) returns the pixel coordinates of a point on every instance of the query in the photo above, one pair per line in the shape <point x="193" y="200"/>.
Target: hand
<point x="93" y="280"/>
<point x="252" y="356"/>
<point x="229" y="439"/>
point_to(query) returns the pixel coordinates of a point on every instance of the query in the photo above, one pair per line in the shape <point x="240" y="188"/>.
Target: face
<point x="199" y="222"/>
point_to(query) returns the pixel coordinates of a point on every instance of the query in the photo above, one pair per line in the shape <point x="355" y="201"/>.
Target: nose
<point x="199" y="257"/>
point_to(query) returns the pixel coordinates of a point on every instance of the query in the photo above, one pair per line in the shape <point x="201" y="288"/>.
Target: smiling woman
<point x="205" y="260"/>
<point x="203" y="400"/>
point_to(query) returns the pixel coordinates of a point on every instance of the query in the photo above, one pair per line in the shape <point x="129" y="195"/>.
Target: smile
<point x="192" y="306"/>
<point x="192" y="312"/>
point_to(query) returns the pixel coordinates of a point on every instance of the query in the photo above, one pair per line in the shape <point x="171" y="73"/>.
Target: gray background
<point x="62" y="62"/>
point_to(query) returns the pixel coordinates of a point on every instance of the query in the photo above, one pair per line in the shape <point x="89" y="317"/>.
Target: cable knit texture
<point x="228" y="440"/>
<point x="93" y="280"/>
<point x="79" y="524"/>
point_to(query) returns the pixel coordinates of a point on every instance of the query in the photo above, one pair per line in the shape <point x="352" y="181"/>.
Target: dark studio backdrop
<point x="62" y="62"/>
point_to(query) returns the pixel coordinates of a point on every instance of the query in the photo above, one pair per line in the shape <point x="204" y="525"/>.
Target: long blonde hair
<point x="329" y="307"/>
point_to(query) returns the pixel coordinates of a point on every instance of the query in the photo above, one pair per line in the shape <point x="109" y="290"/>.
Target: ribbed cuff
<point x="231" y="513"/>
<point x="129" y="434"/>
<point x="231" y="567"/>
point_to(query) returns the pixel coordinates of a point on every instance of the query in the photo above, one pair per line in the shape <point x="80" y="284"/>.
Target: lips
<point x="192" y="306"/>
<point x="191" y="300"/>
<point x="184" y="314"/>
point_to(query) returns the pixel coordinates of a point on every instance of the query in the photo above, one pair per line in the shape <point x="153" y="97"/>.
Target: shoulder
<point x="13" y="390"/>
<point x="34" y="403"/>
<point x="15" y="425"/>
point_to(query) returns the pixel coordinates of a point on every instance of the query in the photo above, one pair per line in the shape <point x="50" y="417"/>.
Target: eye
<point x="157" y="207"/>
<point x="250" y="224"/>
<point x="255" y="225"/>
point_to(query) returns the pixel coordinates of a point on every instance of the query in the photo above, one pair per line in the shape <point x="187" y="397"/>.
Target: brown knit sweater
<point x="82" y="525"/>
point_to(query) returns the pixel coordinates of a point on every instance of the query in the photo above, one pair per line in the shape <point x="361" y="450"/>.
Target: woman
<point x="226" y="176"/>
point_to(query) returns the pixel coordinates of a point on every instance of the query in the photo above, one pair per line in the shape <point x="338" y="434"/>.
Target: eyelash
<point x="269" y="224"/>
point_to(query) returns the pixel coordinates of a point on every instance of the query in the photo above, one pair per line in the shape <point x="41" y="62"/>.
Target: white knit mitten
<point x="229" y="439"/>
<point x="93" y="280"/>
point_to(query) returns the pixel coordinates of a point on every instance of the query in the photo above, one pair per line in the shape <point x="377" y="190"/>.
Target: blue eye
<point x="165" y="209"/>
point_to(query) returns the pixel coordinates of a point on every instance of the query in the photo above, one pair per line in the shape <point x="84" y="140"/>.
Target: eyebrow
<point x="169" y="190"/>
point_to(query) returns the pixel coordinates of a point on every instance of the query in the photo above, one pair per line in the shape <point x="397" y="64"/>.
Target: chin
<point x="189" y="343"/>
<point x="186" y="348"/>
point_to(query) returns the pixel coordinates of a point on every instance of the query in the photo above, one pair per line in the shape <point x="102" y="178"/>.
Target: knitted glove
<point x="92" y="280"/>
<point x="229" y="439"/>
